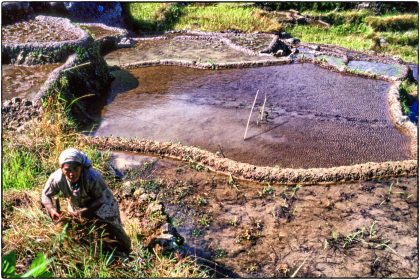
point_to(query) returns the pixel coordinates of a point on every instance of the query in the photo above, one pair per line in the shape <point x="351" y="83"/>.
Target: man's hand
<point x="78" y="213"/>
<point x="55" y="216"/>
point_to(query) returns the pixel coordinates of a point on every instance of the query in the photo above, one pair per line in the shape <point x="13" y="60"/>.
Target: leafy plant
<point x="37" y="269"/>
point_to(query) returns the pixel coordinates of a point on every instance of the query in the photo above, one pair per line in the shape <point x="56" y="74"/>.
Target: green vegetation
<point x="153" y="16"/>
<point x="386" y="29"/>
<point x="205" y="17"/>
<point x="408" y="93"/>
<point x="38" y="268"/>
<point x="362" y="31"/>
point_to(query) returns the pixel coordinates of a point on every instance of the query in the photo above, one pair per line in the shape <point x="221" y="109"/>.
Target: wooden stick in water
<point x="250" y="113"/>
<point x="263" y="107"/>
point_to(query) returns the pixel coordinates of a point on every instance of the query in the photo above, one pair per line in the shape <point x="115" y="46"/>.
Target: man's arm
<point x="51" y="188"/>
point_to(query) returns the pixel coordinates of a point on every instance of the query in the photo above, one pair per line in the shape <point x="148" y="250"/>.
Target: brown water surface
<point x="31" y="31"/>
<point x="200" y="51"/>
<point x="24" y="81"/>
<point x="316" y="118"/>
<point x="99" y="32"/>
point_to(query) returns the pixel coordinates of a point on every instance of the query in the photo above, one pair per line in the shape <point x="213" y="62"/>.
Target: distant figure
<point x="90" y="197"/>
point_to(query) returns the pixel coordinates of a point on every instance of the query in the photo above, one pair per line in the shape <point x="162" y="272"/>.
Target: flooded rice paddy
<point x="24" y="81"/>
<point x="200" y="51"/>
<point x="35" y="31"/>
<point x="314" y="117"/>
<point x="99" y="32"/>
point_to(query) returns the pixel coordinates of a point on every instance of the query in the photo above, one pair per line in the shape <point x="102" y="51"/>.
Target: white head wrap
<point x="74" y="155"/>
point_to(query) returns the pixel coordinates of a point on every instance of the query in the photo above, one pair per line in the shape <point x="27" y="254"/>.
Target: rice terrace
<point x="254" y="140"/>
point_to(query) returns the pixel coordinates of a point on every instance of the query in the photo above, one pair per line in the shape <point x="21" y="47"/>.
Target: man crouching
<point x="90" y="197"/>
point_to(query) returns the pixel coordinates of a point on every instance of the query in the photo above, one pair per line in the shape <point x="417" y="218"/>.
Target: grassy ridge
<point x="354" y="29"/>
<point x="205" y="17"/>
<point x="359" y="30"/>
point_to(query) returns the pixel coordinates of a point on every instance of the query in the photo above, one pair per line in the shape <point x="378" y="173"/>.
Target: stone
<point x="292" y="41"/>
<point x="7" y="103"/>
<point x="279" y="53"/>
<point x="20" y="58"/>
<point x="126" y="42"/>
<point x="26" y="102"/>
<point x="16" y="100"/>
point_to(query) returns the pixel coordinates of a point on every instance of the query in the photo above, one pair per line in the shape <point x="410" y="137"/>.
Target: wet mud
<point x="200" y="51"/>
<point x="314" y="117"/>
<point x="32" y="31"/>
<point x="98" y="32"/>
<point x="24" y="81"/>
<point x="364" y="229"/>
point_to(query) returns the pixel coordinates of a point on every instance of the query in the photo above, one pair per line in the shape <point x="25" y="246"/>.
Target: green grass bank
<point x="392" y="32"/>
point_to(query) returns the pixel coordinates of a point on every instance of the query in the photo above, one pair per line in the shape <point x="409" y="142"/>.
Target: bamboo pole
<point x="263" y="107"/>
<point x="250" y="113"/>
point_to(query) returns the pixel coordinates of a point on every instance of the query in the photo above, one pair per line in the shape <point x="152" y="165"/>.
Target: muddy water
<point x="415" y="69"/>
<point x="258" y="230"/>
<point x="24" y="81"/>
<point x="99" y="32"/>
<point x="389" y="70"/>
<point x="34" y="31"/>
<point x="316" y="118"/>
<point x="188" y="50"/>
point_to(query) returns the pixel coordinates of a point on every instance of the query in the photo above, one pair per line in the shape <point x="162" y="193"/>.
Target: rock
<point x="126" y="42"/>
<point x="277" y="47"/>
<point x="382" y="42"/>
<point x="292" y="41"/>
<point x="16" y="100"/>
<point x="21" y="58"/>
<point x="128" y="188"/>
<point x="285" y="35"/>
<point x="279" y="53"/>
<point x="7" y="103"/>
<point x="26" y="102"/>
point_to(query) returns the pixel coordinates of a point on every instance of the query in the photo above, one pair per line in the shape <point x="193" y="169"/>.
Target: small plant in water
<point x="200" y="201"/>
<point x="220" y="253"/>
<point x="352" y="238"/>
<point x="204" y="220"/>
<point x="196" y="233"/>
<point x="268" y="190"/>
<point x="234" y="222"/>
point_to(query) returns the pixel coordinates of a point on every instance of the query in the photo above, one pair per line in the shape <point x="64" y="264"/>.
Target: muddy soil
<point x="201" y="51"/>
<point x="314" y="117"/>
<point x="24" y="81"/>
<point x="35" y="31"/>
<point x="99" y="32"/>
<point x="362" y="229"/>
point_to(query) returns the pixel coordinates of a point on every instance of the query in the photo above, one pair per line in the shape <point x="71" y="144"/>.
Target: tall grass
<point x="209" y="17"/>
<point x="76" y="251"/>
<point x="347" y="36"/>
<point x="224" y="16"/>
<point x="21" y="169"/>
<point x="359" y="30"/>
<point x="393" y="22"/>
